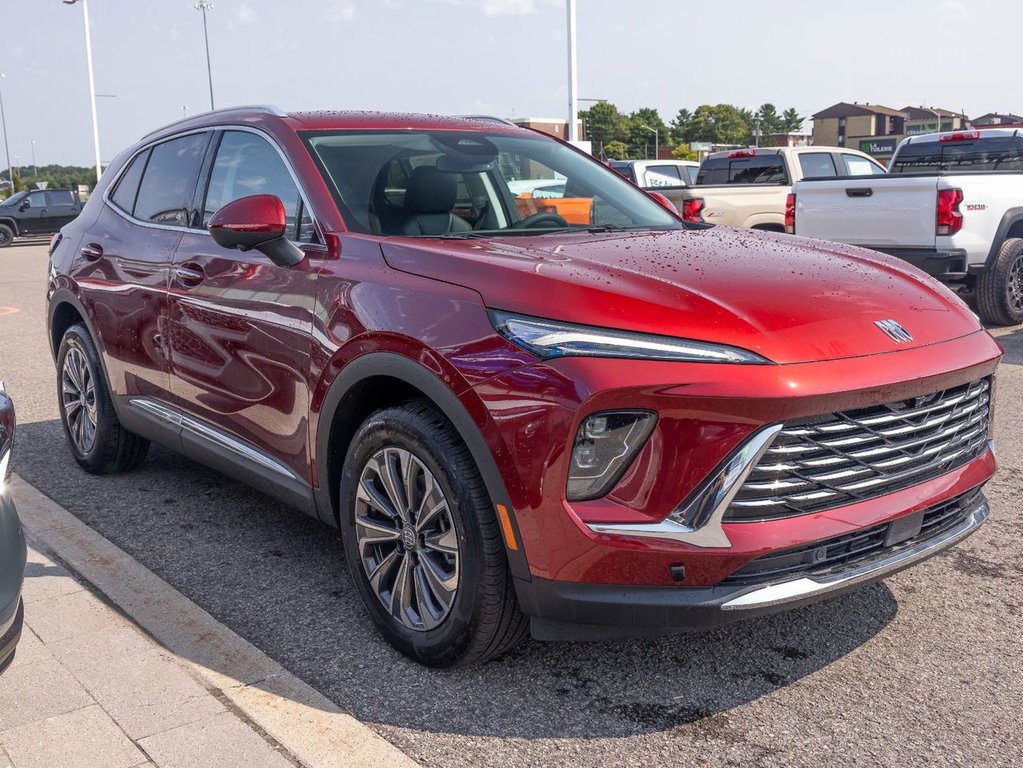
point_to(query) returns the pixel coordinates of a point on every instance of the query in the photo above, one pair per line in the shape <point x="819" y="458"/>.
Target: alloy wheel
<point x="406" y="538"/>
<point x="78" y="398"/>
<point x="1015" y="284"/>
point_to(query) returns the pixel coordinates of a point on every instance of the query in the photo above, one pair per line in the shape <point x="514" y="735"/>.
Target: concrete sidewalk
<point x="88" y="689"/>
<point x="153" y="681"/>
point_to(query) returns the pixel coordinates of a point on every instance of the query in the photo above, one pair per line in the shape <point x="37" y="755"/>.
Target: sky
<point x="500" y="57"/>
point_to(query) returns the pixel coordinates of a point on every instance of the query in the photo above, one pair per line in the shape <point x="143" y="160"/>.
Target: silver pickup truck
<point x="950" y="204"/>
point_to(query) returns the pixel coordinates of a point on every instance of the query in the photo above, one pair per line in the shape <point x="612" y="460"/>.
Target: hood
<point x="789" y="299"/>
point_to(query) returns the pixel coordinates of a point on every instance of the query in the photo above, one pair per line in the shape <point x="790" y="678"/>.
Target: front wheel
<point x="6" y="235"/>
<point x="1000" y="286"/>
<point x="422" y="542"/>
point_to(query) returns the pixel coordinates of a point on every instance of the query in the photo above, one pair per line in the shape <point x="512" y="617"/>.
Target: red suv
<point x="611" y="425"/>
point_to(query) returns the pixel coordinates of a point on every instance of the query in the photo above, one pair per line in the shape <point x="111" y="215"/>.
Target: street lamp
<point x="92" y="83"/>
<point x="35" y="168"/>
<point x="3" y="124"/>
<point x="204" y="6"/>
<point x="184" y="111"/>
<point x="657" y="142"/>
<point x="573" y="75"/>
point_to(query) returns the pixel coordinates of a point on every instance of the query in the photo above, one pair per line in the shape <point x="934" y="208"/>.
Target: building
<point x="877" y="130"/>
<point x="933" y="120"/>
<point x="790" y="139"/>
<point x="996" y="120"/>
<point x="553" y="126"/>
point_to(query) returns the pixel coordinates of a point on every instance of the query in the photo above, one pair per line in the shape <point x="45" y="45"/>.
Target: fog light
<point x="605" y="445"/>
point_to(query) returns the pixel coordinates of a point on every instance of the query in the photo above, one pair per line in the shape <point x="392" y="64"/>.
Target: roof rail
<point x="269" y="109"/>
<point x="489" y="119"/>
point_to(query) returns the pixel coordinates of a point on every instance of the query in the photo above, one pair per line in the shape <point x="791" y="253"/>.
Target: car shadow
<point x="279" y="580"/>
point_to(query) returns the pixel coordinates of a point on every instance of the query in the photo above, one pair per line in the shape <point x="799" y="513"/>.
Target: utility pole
<point x="204" y="6"/>
<point x="92" y="83"/>
<point x="7" y="150"/>
<point x="573" y="75"/>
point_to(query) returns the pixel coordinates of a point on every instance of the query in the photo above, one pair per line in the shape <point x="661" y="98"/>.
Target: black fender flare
<point x="13" y="224"/>
<point x="1009" y="218"/>
<point x="445" y="400"/>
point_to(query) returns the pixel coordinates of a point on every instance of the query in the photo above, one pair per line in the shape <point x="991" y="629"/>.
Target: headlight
<point x="553" y="338"/>
<point x="605" y="445"/>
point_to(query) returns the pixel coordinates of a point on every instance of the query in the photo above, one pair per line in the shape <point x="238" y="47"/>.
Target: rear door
<point x="61" y="208"/>
<point x="239" y="327"/>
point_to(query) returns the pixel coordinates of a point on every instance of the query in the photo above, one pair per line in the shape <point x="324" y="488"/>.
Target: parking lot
<point x="923" y="669"/>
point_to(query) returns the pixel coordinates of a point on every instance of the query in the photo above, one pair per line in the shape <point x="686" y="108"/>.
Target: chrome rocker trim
<point x="807" y="588"/>
<point x="699" y="522"/>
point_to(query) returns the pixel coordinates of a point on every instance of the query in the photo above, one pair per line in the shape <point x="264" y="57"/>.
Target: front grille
<point x="841" y="458"/>
<point x="832" y="556"/>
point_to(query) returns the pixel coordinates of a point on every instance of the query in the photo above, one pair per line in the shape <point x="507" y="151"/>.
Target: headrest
<point x="430" y="191"/>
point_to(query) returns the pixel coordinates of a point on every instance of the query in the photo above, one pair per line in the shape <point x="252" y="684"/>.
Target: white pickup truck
<point x="950" y="204"/>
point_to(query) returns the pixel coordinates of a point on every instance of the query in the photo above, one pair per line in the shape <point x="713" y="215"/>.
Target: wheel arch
<point x="380" y="379"/>
<point x="12" y="223"/>
<point x="1010" y="226"/>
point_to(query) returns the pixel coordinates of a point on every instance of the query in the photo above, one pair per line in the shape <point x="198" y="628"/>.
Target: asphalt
<point x="923" y="669"/>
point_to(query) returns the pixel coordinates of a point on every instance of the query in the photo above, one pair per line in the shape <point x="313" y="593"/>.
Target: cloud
<point x="247" y="15"/>
<point x="506" y="7"/>
<point x="336" y="11"/>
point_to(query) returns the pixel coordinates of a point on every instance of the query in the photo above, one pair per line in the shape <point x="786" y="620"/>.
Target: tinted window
<point x="36" y="199"/>
<point x="624" y="169"/>
<point x="247" y="164"/>
<point x="663" y="176"/>
<point x="1002" y="153"/>
<point x="689" y="173"/>
<point x="169" y="180"/>
<point x="860" y="166"/>
<point x="128" y="186"/>
<point x="816" y="164"/>
<point x="59" y="197"/>
<point x="762" y="169"/>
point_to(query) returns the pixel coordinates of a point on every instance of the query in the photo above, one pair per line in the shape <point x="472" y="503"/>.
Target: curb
<point x="303" y="721"/>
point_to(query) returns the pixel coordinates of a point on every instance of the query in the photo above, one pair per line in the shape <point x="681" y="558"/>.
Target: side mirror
<point x="256" y="222"/>
<point x="664" y="202"/>
<point x="25" y="205"/>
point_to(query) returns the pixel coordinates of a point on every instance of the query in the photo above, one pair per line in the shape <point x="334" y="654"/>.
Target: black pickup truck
<point x="39" y="212"/>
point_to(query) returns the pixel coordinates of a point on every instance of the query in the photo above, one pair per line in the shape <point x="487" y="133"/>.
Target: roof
<point x="926" y="113"/>
<point x="844" y="109"/>
<point x="990" y="117"/>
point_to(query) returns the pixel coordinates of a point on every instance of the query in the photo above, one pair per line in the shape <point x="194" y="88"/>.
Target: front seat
<point x="429" y="198"/>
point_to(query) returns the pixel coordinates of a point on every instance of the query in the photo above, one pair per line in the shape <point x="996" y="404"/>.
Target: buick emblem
<point x="894" y="331"/>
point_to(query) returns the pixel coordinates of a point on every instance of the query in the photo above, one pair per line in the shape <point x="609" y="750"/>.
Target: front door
<point x="239" y="326"/>
<point x="31" y="211"/>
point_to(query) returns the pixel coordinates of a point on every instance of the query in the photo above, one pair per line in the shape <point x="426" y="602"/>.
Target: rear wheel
<point x="6" y="235"/>
<point x="1000" y="286"/>
<point x="422" y="542"/>
<point x="96" y="438"/>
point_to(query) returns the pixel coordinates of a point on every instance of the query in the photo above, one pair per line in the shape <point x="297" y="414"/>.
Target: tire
<point x="1000" y="286"/>
<point x="96" y="438"/>
<point x="6" y="235"/>
<point x="456" y="604"/>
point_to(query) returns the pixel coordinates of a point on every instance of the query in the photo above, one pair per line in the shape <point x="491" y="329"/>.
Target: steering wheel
<point x="540" y="220"/>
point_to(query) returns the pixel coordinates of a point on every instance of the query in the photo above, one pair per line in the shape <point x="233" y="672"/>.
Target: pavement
<point x="923" y="669"/>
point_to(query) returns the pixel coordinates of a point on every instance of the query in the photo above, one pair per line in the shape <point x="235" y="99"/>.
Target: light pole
<point x="573" y="75"/>
<point x="92" y="83"/>
<point x="35" y="168"/>
<point x="657" y="141"/>
<point x="204" y="6"/>
<point x="3" y="124"/>
<point x="184" y="111"/>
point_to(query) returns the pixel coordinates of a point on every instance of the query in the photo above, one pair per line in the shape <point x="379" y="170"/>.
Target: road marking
<point x="302" y="720"/>
<point x="8" y="311"/>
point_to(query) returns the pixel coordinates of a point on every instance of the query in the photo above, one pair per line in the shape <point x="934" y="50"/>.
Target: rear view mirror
<point x="257" y="222"/>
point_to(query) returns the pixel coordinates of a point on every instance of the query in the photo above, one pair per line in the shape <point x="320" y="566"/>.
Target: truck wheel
<point x="1000" y="286"/>
<point x="96" y="438"/>
<point x="6" y="235"/>
<point x="422" y="542"/>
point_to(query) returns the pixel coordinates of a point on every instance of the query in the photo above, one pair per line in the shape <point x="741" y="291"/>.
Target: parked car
<point x="595" y="430"/>
<point x="12" y="543"/>
<point x="949" y="205"/>
<point x="667" y="177"/>
<point x="749" y="187"/>
<point x="39" y="212"/>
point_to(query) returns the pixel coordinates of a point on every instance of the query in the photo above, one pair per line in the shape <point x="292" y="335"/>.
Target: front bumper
<point x="577" y="611"/>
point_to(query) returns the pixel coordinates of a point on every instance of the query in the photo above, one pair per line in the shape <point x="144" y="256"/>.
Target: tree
<point x="682" y="126"/>
<point x="791" y="120"/>
<point x="604" y="123"/>
<point x="719" y="124"/>
<point x="639" y="132"/>
<point x="683" y="152"/>
<point x="615" y="150"/>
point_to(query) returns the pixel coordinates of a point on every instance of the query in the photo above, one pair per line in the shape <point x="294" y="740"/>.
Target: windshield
<point x="474" y="183"/>
<point x="14" y="199"/>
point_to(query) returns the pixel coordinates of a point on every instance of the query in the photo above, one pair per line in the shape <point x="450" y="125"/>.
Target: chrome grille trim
<point x="842" y="458"/>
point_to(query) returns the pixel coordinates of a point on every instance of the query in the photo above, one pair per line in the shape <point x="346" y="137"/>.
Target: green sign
<point x="879" y="146"/>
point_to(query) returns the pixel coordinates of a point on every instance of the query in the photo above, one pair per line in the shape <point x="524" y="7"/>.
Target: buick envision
<point x="594" y="425"/>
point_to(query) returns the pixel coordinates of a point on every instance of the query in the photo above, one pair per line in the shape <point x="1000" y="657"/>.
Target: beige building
<point x="550" y="125"/>
<point x="877" y="130"/>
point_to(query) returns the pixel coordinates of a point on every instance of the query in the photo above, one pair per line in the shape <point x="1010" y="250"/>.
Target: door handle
<point x="92" y="251"/>
<point x="189" y="274"/>
<point x="859" y="192"/>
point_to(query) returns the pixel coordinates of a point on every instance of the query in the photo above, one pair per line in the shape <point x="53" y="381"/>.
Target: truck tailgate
<point x="894" y="211"/>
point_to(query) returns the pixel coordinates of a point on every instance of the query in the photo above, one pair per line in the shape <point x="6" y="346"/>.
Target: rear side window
<point x="762" y="169"/>
<point x="624" y="169"/>
<point x="128" y="187"/>
<point x="860" y="166"/>
<point x="816" y="165"/>
<point x="1002" y="153"/>
<point x="247" y="164"/>
<point x="169" y="180"/>
<point x="663" y="176"/>
<point x="59" y="197"/>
